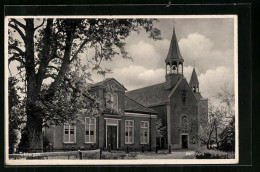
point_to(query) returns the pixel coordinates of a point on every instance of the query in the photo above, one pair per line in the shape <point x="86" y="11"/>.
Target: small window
<point x="115" y="102"/>
<point x="184" y="122"/>
<point x="109" y="100"/>
<point x="90" y="130"/>
<point x="129" y="131"/>
<point x="69" y="133"/>
<point x="144" y="132"/>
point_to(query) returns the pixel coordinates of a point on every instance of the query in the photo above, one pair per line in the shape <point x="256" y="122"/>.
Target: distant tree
<point x="219" y="117"/>
<point x="47" y="50"/>
<point x="160" y="129"/>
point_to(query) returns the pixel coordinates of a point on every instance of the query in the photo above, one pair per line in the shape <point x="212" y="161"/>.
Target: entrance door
<point x="184" y="141"/>
<point x="112" y="137"/>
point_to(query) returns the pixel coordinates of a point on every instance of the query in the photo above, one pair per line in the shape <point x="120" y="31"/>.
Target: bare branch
<point x="53" y="76"/>
<point x="15" y="57"/>
<point x="18" y="23"/>
<point x="53" y="67"/>
<point x="39" y="25"/>
<point x="17" y="49"/>
<point x="18" y="30"/>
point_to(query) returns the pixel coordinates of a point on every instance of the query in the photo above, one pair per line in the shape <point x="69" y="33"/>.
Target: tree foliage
<point x="48" y="48"/>
<point x="16" y="113"/>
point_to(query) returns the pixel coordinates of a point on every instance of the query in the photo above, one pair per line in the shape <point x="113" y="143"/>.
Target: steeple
<point x="194" y="82"/>
<point x="174" y="63"/>
<point x="174" y="51"/>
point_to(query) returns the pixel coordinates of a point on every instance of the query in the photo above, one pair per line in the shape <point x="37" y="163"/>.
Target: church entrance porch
<point x="184" y="141"/>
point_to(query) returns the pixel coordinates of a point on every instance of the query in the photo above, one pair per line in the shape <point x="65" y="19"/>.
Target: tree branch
<point x="53" y="67"/>
<point x="39" y="25"/>
<point x="18" y="30"/>
<point x="17" y="49"/>
<point x="18" y="23"/>
<point x="77" y="52"/>
<point x="15" y="57"/>
<point x="77" y="90"/>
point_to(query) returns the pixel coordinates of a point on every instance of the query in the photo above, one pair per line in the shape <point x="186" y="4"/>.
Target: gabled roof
<point x="133" y="106"/>
<point x="194" y="78"/>
<point x="174" y="51"/>
<point x="151" y="95"/>
<point x="105" y="81"/>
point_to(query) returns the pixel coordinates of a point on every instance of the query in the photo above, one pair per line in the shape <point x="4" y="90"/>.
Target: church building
<point x="179" y="104"/>
<point x="128" y="119"/>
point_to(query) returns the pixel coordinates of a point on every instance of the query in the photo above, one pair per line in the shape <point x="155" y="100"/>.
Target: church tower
<point x="174" y="63"/>
<point x="194" y="82"/>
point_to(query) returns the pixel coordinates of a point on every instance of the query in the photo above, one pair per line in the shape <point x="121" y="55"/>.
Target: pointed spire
<point x="194" y="79"/>
<point x="174" y="51"/>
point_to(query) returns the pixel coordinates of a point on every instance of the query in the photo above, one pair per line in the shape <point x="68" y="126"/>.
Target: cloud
<point x="134" y="77"/>
<point x="197" y="48"/>
<point x="212" y="81"/>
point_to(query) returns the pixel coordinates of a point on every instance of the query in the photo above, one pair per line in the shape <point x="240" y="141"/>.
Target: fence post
<point x="170" y="149"/>
<point x="100" y="154"/>
<point x="156" y="149"/>
<point x="80" y="155"/>
<point x="127" y="149"/>
<point x="142" y="148"/>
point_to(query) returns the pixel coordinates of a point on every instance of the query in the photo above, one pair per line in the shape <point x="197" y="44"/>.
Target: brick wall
<point x="179" y="107"/>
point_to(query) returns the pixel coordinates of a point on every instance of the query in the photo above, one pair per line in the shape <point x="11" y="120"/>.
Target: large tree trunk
<point x="34" y="118"/>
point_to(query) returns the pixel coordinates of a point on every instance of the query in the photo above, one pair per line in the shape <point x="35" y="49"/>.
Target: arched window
<point x="174" y="69"/>
<point x="184" y="122"/>
<point x="180" y="68"/>
<point x="109" y="100"/>
<point x="115" y="102"/>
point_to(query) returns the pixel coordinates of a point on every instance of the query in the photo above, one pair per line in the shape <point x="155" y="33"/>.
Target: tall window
<point x="90" y="127"/>
<point x="184" y="122"/>
<point x="109" y="100"/>
<point x="69" y="133"/>
<point x="115" y="102"/>
<point x="144" y="132"/>
<point x="129" y="131"/>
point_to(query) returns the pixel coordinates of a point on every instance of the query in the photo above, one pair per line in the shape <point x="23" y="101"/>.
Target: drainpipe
<point x="150" y="132"/>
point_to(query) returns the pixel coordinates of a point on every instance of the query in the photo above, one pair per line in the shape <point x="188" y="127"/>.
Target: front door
<point x="112" y="137"/>
<point x="184" y="141"/>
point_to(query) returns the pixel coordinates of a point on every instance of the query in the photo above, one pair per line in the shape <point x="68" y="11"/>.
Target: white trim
<point x="112" y="118"/>
<point x="117" y="125"/>
<point x="184" y="134"/>
<point x="75" y="131"/>
<point x="140" y="115"/>
<point x="148" y="131"/>
<point x="133" y="131"/>
<point x="95" y="124"/>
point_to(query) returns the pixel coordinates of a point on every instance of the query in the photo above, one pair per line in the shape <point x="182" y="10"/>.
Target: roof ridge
<point x="145" y="87"/>
<point x="140" y="104"/>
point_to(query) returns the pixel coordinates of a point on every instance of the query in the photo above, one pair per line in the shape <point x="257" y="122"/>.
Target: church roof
<point x="151" y="95"/>
<point x="198" y="96"/>
<point x="133" y="106"/>
<point x="105" y="81"/>
<point x="194" y="78"/>
<point x="174" y="51"/>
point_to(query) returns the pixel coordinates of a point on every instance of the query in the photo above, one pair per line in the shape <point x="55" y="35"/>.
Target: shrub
<point x="211" y="154"/>
<point x="113" y="155"/>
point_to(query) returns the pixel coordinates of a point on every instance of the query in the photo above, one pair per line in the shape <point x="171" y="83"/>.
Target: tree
<point x="16" y="113"/>
<point x="47" y="50"/>
<point x="219" y="116"/>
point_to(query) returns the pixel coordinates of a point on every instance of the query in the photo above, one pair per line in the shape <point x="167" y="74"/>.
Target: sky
<point x="206" y="43"/>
